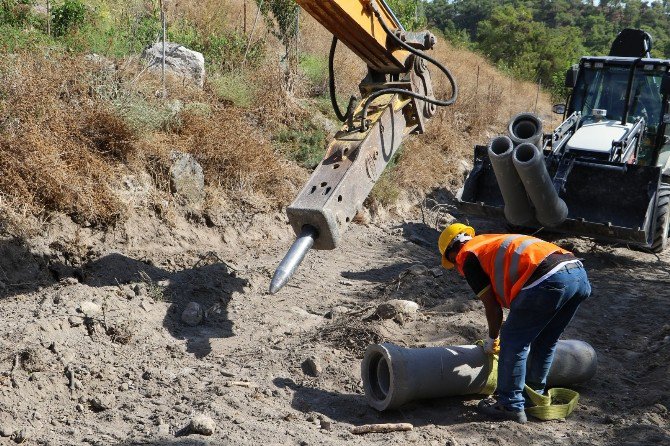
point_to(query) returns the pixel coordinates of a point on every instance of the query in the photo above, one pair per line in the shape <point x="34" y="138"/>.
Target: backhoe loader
<point x="604" y="172"/>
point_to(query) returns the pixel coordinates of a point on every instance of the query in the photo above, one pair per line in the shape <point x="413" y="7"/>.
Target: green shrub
<point x="144" y="116"/>
<point x="316" y="71"/>
<point x="234" y="87"/>
<point x="13" y="39"/>
<point x="16" y="12"/>
<point x="305" y="145"/>
<point x="386" y="190"/>
<point x="67" y="17"/>
<point x="225" y="52"/>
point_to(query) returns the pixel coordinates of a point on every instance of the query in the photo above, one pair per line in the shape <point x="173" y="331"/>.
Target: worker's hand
<point x="492" y="346"/>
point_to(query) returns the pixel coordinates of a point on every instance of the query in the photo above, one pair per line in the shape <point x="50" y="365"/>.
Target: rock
<point x="6" y="430"/>
<point x="102" y="402"/>
<point x="418" y="270"/>
<point x="104" y="63"/>
<point x="336" y="312"/>
<point x="326" y="425"/>
<point x="21" y="436"/>
<point x="140" y="289"/>
<point x="392" y="308"/>
<point x="179" y="62"/>
<point x="90" y="309"/>
<point x="438" y="271"/>
<point x="192" y="314"/>
<point x="312" y="366"/>
<point x="187" y="179"/>
<point x="201" y="425"/>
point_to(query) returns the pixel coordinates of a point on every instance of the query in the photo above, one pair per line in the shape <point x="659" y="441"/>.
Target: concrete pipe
<point x="525" y="128"/>
<point x="393" y="376"/>
<point x="518" y="210"/>
<point x="550" y="209"/>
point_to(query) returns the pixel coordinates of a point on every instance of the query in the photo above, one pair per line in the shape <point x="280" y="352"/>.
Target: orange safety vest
<point x="508" y="259"/>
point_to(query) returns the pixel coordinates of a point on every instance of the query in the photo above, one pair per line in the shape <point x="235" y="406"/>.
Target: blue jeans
<point x="537" y="318"/>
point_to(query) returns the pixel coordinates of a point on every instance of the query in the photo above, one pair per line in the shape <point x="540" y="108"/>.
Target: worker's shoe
<point x="492" y="408"/>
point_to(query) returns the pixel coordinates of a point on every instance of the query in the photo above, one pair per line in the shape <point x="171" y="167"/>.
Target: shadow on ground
<point x="210" y="285"/>
<point x="354" y="409"/>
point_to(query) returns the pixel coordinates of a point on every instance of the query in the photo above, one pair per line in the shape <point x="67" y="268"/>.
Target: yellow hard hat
<point x="448" y="236"/>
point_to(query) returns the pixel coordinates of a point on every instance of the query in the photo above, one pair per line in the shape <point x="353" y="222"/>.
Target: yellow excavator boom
<point x="353" y="23"/>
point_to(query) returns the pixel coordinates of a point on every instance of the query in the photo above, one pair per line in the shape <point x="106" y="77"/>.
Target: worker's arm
<point x="480" y="283"/>
<point x="494" y="312"/>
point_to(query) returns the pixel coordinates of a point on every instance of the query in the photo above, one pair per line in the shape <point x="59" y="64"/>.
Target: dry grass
<point x="70" y="129"/>
<point x="487" y="100"/>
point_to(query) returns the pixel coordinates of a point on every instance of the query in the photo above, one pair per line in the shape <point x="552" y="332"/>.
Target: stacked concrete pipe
<point x="550" y="209"/>
<point x="518" y="210"/>
<point x="393" y="376"/>
<point x="525" y="128"/>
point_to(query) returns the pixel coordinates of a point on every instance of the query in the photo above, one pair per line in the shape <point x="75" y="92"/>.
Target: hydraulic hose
<point x="331" y="83"/>
<point x="419" y="53"/>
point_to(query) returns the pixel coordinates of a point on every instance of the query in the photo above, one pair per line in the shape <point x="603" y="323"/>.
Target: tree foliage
<point x="539" y="39"/>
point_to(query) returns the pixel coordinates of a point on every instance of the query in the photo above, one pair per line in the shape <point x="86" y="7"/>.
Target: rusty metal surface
<point x="353" y="164"/>
<point x="352" y="22"/>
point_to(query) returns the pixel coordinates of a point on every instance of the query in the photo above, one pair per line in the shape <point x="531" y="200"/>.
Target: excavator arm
<point x="397" y="100"/>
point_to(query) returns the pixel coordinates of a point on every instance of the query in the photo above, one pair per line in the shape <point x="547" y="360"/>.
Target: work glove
<point x="492" y="346"/>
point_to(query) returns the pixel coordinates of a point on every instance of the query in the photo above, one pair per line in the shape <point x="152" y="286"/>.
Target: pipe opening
<point x="500" y="145"/>
<point x="379" y="376"/>
<point x="525" y="153"/>
<point x="525" y="129"/>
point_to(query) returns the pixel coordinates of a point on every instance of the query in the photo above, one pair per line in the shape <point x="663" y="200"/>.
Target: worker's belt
<point x="570" y="266"/>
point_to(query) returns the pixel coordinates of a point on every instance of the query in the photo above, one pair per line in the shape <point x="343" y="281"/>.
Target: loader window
<point x="606" y="87"/>
<point x="646" y="99"/>
<point x="601" y="88"/>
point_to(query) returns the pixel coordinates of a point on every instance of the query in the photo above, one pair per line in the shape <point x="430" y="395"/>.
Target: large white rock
<point x="179" y="61"/>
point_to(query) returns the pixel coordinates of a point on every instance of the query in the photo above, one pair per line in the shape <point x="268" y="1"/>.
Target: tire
<point x="662" y="228"/>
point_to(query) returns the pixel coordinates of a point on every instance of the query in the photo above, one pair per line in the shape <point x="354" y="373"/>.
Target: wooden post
<point x="48" y="18"/>
<point x="251" y="36"/>
<point x="163" y="22"/>
<point x="477" y="88"/>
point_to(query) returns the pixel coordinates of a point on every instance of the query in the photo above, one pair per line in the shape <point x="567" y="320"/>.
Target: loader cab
<point x="618" y="91"/>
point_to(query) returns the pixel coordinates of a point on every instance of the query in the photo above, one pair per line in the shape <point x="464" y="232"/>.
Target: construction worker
<point x="540" y="283"/>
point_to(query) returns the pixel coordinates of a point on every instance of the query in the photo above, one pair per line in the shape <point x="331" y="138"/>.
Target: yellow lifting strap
<point x="557" y="404"/>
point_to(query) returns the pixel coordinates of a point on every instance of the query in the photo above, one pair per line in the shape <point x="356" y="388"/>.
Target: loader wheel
<point x="662" y="220"/>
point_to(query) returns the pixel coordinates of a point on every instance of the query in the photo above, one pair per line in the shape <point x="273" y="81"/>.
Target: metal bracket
<point x="563" y="171"/>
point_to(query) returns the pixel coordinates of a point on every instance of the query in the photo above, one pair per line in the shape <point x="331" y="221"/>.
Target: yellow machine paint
<point x="353" y="23"/>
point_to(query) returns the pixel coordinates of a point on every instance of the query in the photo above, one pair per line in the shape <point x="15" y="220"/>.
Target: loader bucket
<point x="605" y="200"/>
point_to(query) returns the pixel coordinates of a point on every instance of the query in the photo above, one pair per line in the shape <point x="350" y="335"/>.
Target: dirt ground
<point x="94" y="350"/>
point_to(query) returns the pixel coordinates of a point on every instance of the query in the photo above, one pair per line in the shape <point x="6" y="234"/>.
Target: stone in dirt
<point x="90" y="309"/>
<point x="180" y="62"/>
<point x="6" y="429"/>
<point x="21" y="436"/>
<point x="417" y="270"/>
<point x="192" y="314"/>
<point x="201" y="425"/>
<point x="102" y="402"/>
<point x="312" y="366"/>
<point x="337" y="311"/>
<point x="187" y="179"/>
<point x="395" y="307"/>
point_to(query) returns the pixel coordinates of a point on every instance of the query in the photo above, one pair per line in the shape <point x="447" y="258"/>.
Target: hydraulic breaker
<point x="397" y="99"/>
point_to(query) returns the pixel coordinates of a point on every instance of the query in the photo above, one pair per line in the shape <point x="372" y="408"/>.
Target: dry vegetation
<point x="72" y="127"/>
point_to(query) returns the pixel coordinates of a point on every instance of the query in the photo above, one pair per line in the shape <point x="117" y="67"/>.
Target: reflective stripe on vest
<point x="508" y="259"/>
<point x="499" y="279"/>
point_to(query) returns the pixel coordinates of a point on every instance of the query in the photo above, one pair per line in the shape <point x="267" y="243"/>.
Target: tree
<point x="410" y="13"/>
